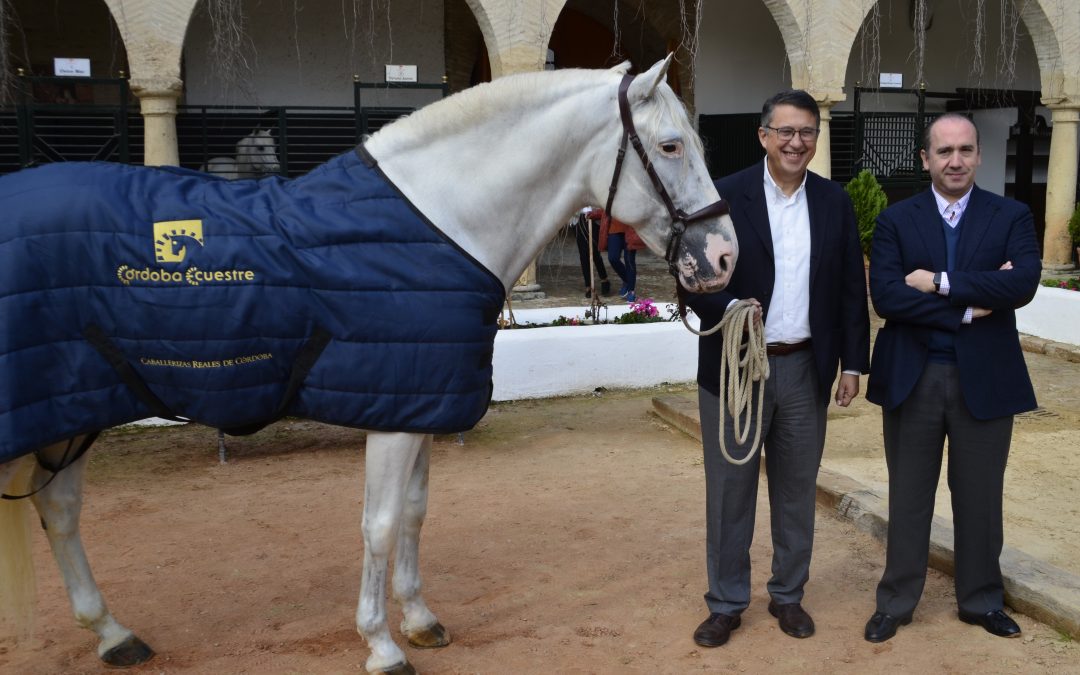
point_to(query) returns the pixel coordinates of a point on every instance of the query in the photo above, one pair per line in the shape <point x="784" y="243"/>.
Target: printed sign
<point x="401" y="73"/>
<point x="891" y="80"/>
<point x="71" y="67"/>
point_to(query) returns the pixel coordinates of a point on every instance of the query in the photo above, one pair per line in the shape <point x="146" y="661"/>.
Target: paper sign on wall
<point x="401" y="73"/>
<point x="891" y="80"/>
<point x="71" y="67"/>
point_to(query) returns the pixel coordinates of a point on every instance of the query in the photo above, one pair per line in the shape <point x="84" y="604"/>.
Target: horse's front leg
<point x="418" y="624"/>
<point x="59" y="505"/>
<point x="389" y="465"/>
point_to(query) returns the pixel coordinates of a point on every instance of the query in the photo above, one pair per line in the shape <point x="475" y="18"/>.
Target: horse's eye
<point x="672" y="149"/>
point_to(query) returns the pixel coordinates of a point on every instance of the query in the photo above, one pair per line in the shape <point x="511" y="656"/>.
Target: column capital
<point x="156" y="87"/>
<point x="1064" y="113"/>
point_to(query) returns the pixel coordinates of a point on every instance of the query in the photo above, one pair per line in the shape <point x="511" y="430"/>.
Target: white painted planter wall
<point x="1054" y="314"/>
<point x="565" y="360"/>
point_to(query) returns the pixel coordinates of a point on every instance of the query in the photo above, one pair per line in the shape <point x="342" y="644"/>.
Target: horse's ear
<point x="646" y="83"/>
<point x="621" y="69"/>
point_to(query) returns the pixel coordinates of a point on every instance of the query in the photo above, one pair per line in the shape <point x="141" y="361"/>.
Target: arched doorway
<point x="69" y="99"/>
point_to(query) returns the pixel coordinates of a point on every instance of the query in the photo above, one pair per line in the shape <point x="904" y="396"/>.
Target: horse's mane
<point x="521" y="91"/>
<point x="471" y="107"/>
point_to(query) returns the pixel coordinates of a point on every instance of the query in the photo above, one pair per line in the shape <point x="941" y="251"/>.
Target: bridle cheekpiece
<point x="679" y="218"/>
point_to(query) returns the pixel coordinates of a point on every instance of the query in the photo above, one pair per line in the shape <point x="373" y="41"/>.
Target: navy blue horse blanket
<point x="127" y="292"/>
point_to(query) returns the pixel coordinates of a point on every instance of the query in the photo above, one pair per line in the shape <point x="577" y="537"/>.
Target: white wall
<point x="1054" y="314"/>
<point x="306" y="53"/>
<point x="741" y="60"/>
<point x="993" y="140"/>
<point x="543" y="362"/>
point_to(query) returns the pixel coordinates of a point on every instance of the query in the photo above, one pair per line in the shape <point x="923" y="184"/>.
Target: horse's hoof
<point x="130" y="652"/>
<point x="400" y="669"/>
<point x="430" y="638"/>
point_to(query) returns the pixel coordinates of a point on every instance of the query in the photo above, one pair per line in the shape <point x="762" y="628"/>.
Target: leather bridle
<point x="679" y="218"/>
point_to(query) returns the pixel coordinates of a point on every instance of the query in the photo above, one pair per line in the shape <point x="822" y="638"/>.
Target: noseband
<point x="679" y="218"/>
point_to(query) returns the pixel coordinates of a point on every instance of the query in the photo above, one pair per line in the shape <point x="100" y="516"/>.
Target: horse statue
<point x="365" y="293"/>
<point x="256" y="156"/>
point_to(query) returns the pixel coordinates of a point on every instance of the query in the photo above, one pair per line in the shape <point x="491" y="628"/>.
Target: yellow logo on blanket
<point x="172" y="238"/>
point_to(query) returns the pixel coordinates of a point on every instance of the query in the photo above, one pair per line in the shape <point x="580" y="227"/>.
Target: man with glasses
<point x="801" y="265"/>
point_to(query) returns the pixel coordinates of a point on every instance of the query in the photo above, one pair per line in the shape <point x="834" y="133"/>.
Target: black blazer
<point x="909" y="236"/>
<point x="839" y="318"/>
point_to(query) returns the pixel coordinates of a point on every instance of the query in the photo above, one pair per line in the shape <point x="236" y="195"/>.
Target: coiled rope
<point x="743" y="363"/>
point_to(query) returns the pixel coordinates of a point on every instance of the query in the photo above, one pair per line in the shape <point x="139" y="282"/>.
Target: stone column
<point x="821" y="164"/>
<point x="157" y="103"/>
<point x="1060" y="187"/>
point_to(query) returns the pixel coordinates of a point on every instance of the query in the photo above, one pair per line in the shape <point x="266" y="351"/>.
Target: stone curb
<point x="1061" y="350"/>
<point x="1038" y="589"/>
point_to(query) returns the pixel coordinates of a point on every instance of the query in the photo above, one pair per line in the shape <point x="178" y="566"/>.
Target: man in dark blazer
<point x="801" y="265"/>
<point x="948" y="267"/>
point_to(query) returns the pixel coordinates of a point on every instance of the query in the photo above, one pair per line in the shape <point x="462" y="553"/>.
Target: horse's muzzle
<point x="706" y="256"/>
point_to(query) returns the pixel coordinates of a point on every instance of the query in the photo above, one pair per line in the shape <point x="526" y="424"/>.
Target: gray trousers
<point x="793" y="429"/>
<point x="915" y="433"/>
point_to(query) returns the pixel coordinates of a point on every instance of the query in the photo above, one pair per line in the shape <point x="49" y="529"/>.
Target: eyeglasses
<point x="807" y="134"/>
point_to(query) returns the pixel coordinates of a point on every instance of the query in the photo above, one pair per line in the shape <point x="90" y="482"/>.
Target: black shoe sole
<point x="794" y="634"/>
<point x="977" y="621"/>
<point x="721" y="643"/>
<point x="876" y="640"/>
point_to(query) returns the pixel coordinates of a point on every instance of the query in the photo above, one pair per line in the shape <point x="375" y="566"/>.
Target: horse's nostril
<point x="723" y="263"/>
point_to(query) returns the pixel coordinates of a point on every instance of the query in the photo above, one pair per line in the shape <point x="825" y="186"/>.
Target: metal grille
<point x="890" y="147"/>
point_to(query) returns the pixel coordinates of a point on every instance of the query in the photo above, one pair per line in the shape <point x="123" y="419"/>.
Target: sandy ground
<point x="563" y="536"/>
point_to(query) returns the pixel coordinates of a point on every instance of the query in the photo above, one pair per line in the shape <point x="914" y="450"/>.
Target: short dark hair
<point x="947" y="116"/>
<point x="793" y="97"/>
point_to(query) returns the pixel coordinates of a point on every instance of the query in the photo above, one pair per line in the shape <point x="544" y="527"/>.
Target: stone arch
<point x="516" y="34"/>
<point x="154" y="33"/>
<point x="1055" y="34"/>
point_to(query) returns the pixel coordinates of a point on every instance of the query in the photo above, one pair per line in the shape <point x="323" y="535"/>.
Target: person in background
<point x="583" y="224"/>
<point x="622" y="245"/>
<point x="948" y="267"/>
<point x="801" y="265"/>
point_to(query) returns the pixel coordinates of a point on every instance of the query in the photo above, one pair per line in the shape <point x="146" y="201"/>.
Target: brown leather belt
<point x="785" y="348"/>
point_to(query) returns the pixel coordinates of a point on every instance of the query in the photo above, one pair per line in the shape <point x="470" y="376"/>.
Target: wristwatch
<point x="937" y="282"/>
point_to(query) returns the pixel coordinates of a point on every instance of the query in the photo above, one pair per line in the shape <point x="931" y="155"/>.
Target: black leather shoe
<point x="883" y="626"/>
<point x="996" y="623"/>
<point x="715" y="631"/>
<point x="605" y="287"/>
<point x="793" y="619"/>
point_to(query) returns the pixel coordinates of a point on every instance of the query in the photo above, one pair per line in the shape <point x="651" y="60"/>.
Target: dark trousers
<point x="616" y="253"/>
<point x="915" y="434"/>
<point x="793" y="429"/>
<point x="581" y="236"/>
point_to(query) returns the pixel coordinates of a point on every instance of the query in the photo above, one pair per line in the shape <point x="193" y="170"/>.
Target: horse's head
<point x="256" y="153"/>
<point x="665" y="191"/>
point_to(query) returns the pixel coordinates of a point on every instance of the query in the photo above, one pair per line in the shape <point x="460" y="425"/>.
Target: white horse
<point x="256" y="156"/>
<point x="498" y="169"/>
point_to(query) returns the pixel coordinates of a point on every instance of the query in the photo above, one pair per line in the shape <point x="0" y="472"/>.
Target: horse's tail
<point x="16" y="567"/>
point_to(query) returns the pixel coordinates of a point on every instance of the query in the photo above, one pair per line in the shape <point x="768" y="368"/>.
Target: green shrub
<point x="1074" y="226"/>
<point x="869" y="200"/>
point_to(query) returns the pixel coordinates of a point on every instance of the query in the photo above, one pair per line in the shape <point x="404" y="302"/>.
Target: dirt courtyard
<point x="563" y="536"/>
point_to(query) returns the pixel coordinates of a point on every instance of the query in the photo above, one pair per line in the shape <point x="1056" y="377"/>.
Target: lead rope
<point x="742" y="364"/>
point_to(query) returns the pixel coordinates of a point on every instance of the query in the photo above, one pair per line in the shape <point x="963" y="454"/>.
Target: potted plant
<point x="869" y="200"/>
<point x="1074" y="232"/>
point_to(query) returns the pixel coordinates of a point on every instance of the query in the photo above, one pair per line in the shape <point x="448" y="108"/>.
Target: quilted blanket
<point x="127" y="292"/>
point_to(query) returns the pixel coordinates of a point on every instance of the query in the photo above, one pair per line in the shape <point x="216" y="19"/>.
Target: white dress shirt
<point x="789" y="221"/>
